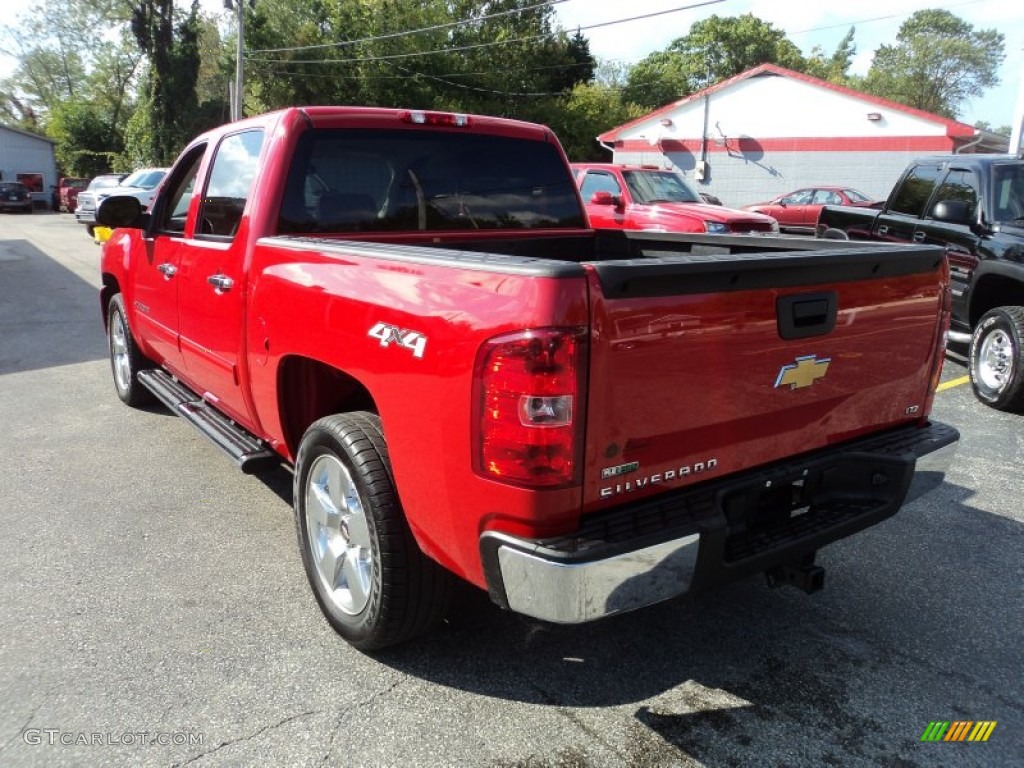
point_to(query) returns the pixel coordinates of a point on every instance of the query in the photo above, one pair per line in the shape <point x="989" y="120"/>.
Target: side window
<point x="915" y="190"/>
<point x="800" y="197"/>
<point x="172" y="208"/>
<point x="1008" y="183"/>
<point x="598" y="181"/>
<point x="960" y="185"/>
<point x="234" y="168"/>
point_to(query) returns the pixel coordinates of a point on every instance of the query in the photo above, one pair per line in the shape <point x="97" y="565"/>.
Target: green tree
<point x="172" y="71"/>
<point x="714" y="49"/>
<point x="589" y="110"/>
<point x="835" y="67"/>
<point x="1002" y="130"/>
<point x="494" y="56"/>
<point x="87" y="142"/>
<point x="938" y="62"/>
<point x="52" y="48"/>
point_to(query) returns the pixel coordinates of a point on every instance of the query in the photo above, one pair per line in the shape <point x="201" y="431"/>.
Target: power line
<point x="474" y="88"/>
<point x="371" y="76"/>
<point x="475" y="46"/>
<point x="876" y="18"/>
<point x="391" y="35"/>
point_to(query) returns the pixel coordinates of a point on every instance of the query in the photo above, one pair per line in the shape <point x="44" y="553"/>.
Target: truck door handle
<point x="919" y="237"/>
<point x="222" y="283"/>
<point x="882" y="230"/>
<point x="167" y="270"/>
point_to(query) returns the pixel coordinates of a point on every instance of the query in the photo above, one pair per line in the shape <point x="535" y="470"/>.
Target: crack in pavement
<point x="31" y="717"/>
<point x="257" y="734"/>
<point x="343" y="712"/>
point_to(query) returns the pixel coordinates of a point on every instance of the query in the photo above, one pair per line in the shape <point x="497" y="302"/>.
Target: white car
<point x="141" y="184"/>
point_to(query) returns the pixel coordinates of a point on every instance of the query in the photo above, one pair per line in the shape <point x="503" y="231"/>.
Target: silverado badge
<point x="804" y="372"/>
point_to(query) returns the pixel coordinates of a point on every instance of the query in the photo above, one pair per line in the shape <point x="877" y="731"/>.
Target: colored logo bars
<point x="958" y="730"/>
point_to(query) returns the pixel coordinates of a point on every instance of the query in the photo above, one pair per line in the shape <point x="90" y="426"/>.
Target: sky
<point x="806" y="22"/>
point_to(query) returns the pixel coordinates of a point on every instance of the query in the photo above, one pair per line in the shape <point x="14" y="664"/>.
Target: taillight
<point x="528" y="407"/>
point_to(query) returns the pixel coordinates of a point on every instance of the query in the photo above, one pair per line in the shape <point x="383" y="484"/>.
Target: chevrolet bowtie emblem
<point x="804" y="372"/>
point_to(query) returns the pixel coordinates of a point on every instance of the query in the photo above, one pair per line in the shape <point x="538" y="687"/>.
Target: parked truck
<point x="409" y="310"/>
<point x="67" y="193"/>
<point x="650" y="198"/>
<point x="971" y="206"/>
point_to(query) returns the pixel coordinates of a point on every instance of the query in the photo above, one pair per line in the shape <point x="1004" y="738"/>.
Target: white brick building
<point x="770" y="130"/>
<point x="28" y="158"/>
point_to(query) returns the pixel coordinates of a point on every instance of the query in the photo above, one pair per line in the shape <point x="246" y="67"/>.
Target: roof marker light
<point x="420" y="117"/>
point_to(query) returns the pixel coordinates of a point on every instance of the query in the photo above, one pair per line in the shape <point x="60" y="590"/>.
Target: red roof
<point x="953" y="127"/>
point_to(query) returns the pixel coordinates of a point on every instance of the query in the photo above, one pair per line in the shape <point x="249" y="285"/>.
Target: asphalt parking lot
<point x="155" y="611"/>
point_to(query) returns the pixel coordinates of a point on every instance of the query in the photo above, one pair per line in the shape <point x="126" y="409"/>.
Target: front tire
<point x="126" y="359"/>
<point x="997" y="359"/>
<point x="372" y="582"/>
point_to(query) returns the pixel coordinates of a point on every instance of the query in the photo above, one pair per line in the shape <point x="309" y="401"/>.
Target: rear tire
<point x="373" y="583"/>
<point x="126" y="359"/>
<point x="997" y="359"/>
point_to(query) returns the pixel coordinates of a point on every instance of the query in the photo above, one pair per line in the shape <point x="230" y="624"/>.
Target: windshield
<point x="857" y="197"/>
<point x="144" y="179"/>
<point x="355" y="180"/>
<point x="648" y="187"/>
<point x="104" y="181"/>
<point x="1008" y="192"/>
<point x="75" y="183"/>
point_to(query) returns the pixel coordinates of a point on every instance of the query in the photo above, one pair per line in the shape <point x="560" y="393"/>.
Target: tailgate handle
<point x="803" y="315"/>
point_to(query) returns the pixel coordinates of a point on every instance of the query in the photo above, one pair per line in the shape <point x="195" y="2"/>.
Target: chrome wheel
<point x="339" y="538"/>
<point x="995" y="360"/>
<point x="119" y="354"/>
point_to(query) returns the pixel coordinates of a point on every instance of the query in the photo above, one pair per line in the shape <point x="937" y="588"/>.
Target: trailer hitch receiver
<point x="802" y="573"/>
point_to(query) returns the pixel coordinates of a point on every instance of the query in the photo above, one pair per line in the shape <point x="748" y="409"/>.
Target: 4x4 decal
<point x="391" y="334"/>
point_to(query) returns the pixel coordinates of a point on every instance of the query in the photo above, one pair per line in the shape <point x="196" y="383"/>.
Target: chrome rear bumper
<point x="590" y="579"/>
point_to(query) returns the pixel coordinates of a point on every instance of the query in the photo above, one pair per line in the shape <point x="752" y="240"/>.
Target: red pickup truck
<point x="67" y="192"/>
<point x="409" y="309"/>
<point x="643" y="197"/>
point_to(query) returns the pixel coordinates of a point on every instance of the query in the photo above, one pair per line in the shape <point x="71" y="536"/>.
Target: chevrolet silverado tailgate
<point x="702" y="365"/>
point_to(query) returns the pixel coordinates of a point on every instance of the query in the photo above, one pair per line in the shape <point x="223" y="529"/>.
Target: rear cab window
<point x="394" y="180"/>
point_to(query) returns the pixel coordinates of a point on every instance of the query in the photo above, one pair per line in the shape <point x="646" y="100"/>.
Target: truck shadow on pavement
<point x="852" y="674"/>
<point x="49" y="316"/>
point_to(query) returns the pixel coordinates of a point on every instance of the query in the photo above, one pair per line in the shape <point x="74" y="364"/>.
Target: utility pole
<point x="236" y="93"/>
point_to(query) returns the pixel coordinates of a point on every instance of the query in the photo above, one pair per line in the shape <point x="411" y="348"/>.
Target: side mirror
<point x="121" y="211"/>
<point x="952" y="211"/>
<point x="782" y="203"/>
<point x="604" y="198"/>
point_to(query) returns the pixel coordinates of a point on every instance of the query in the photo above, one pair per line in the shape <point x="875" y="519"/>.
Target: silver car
<point x="89" y="198"/>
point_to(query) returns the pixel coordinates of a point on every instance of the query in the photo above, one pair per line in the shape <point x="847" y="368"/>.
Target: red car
<point x="638" y="197"/>
<point x="798" y="211"/>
